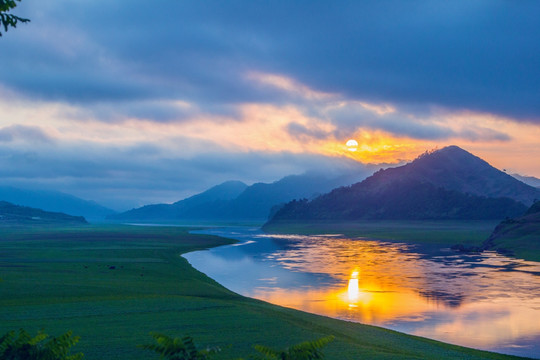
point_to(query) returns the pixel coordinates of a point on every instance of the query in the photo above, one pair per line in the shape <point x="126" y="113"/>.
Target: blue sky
<point x="126" y="103"/>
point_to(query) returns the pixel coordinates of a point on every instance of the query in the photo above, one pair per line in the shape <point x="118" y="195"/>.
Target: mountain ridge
<point x="54" y="201"/>
<point x="11" y="214"/>
<point x="449" y="183"/>
<point x="456" y="169"/>
<point x="199" y="202"/>
<point x="529" y="180"/>
<point x="254" y="203"/>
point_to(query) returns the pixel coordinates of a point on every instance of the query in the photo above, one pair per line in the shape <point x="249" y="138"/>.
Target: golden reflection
<point x="382" y="284"/>
<point x="352" y="289"/>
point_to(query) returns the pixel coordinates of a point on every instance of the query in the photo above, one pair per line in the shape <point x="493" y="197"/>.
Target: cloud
<point x="125" y="177"/>
<point x="119" y="100"/>
<point x="351" y="116"/>
<point x="481" y="57"/>
<point x="15" y="133"/>
<point x="475" y="133"/>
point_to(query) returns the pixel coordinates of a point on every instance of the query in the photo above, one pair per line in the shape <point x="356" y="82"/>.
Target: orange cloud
<point x="503" y="142"/>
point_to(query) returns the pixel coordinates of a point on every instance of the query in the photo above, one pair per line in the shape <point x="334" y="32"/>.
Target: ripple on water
<point x="485" y="300"/>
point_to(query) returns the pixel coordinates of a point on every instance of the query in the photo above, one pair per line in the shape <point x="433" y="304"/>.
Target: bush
<point x="40" y="347"/>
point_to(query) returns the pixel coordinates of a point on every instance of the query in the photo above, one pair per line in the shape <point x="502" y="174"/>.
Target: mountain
<point x="529" y="180"/>
<point x="518" y="236"/>
<point x="258" y="200"/>
<point x="456" y="169"/>
<point x="11" y="214"/>
<point x="188" y="208"/>
<point x="244" y="203"/>
<point x="449" y="183"/>
<point x="54" y="201"/>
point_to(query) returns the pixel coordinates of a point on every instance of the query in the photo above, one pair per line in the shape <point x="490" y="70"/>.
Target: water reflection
<point x="353" y="291"/>
<point x="485" y="301"/>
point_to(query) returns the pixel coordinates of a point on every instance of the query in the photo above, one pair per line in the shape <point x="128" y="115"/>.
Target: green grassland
<point x="113" y="285"/>
<point x="442" y="232"/>
<point x="514" y="238"/>
<point x="524" y="247"/>
<point x="518" y="237"/>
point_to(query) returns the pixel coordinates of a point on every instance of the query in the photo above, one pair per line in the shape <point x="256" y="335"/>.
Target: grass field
<point x="420" y="232"/>
<point x="520" y="239"/>
<point x="113" y="285"/>
<point x="439" y="233"/>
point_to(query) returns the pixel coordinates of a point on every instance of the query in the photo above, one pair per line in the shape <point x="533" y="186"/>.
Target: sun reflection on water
<point x="485" y="301"/>
<point x="353" y="290"/>
<point x="466" y="301"/>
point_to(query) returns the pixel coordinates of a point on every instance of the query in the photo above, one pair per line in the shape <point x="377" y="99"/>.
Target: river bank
<point x="113" y="285"/>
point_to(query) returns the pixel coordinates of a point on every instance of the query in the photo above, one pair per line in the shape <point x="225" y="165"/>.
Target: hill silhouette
<point x="453" y="168"/>
<point x="11" y="214"/>
<point x="189" y="208"/>
<point x="449" y="183"/>
<point x="54" y="201"/>
<point x="235" y="201"/>
<point x="529" y="180"/>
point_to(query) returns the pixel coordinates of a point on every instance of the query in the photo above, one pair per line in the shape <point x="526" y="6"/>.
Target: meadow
<point x="426" y="233"/>
<point x="113" y="285"/>
<point x="442" y="232"/>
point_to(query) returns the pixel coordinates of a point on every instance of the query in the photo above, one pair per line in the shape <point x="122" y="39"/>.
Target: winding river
<point x="485" y="301"/>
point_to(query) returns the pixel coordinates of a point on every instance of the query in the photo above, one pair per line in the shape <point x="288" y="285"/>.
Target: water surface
<point x="486" y="301"/>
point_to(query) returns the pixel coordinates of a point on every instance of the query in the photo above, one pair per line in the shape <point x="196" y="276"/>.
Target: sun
<point x="352" y="145"/>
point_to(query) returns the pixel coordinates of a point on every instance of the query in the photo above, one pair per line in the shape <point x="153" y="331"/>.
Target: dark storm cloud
<point x="477" y="55"/>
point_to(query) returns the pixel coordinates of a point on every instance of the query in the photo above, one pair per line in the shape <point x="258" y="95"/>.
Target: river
<point x="485" y="301"/>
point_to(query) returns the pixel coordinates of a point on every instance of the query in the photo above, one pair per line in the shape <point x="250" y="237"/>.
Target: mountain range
<point x="529" y="180"/>
<point x="11" y="214"/>
<point x="449" y="183"/>
<point x="234" y="200"/>
<point x="54" y="201"/>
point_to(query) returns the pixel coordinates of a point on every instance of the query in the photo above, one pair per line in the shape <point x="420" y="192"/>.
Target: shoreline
<point x="422" y="249"/>
<point x="113" y="285"/>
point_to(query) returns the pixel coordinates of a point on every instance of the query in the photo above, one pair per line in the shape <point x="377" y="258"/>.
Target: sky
<point x="131" y="102"/>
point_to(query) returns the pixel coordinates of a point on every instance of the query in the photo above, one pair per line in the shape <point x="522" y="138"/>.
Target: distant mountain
<point x="189" y="208"/>
<point x="445" y="184"/>
<point x="521" y="235"/>
<point x="243" y="203"/>
<point x="258" y="200"/>
<point x="529" y="180"/>
<point x="54" y="201"/>
<point x="11" y="214"/>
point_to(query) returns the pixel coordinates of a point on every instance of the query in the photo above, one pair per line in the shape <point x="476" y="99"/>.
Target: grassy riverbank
<point x="437" y="233"/>
<point x="447" y="232"/>
<point x="113" y="285"/>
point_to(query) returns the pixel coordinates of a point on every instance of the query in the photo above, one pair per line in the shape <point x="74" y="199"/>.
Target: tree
<point x="40" y="347"/>
<point x="185" y="349"/>
<point x="178" y="349"/>
<point x="309" y="350"/>
<point x="6" y="19"/>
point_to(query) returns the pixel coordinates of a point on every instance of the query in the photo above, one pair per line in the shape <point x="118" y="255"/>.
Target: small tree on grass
<point x="178" y="348"/>
<point x="9" y="20"/>
<point x="23" y="346"/>
<point x="185" y="349"/>
<point x="309" y="350"/>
